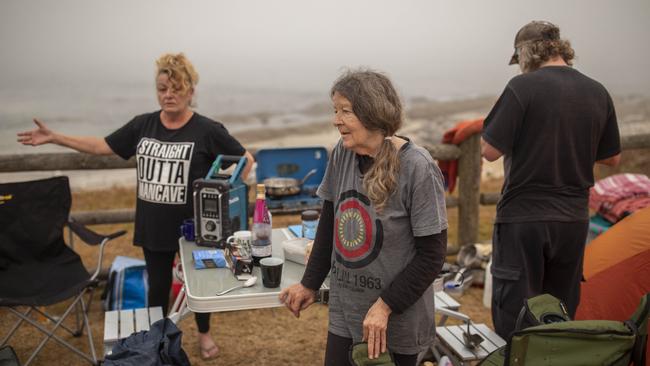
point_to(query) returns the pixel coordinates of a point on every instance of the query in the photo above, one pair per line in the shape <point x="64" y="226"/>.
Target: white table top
<point x="202" y="285"/>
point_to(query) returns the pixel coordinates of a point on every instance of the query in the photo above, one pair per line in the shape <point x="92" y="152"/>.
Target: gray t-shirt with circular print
<point x="371" y="248"/>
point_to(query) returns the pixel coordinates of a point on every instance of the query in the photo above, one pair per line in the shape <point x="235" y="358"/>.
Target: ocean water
<point x="97" y="110"/>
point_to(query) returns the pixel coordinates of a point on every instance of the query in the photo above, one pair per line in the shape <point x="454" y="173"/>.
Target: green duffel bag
<point x="573" y="342"/>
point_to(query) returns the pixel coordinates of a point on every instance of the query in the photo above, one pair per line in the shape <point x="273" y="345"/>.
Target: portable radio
<point x="220" y="203"/>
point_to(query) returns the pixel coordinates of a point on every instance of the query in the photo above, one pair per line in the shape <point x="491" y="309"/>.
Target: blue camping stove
<point x="293" y="162"/>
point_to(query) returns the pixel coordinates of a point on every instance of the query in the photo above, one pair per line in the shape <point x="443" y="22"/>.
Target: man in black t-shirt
<point x="551" y="124"/>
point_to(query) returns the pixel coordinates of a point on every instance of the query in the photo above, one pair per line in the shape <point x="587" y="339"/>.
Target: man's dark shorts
<point x="533" y="258"/>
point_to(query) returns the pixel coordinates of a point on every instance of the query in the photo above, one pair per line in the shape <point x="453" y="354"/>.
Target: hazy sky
<point x="429" y="47"/>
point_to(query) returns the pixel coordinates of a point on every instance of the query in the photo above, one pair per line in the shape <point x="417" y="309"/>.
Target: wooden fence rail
<point x="469" y="175"/>
<point x="628" y="142"/>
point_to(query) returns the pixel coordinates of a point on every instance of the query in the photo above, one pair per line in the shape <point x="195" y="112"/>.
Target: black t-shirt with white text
<point x="552" y="125"/>
<point x="168" y="161"/>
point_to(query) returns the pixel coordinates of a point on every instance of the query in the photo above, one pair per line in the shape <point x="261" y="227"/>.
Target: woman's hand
<point x="38" y="136"/>
<point x="374" y="328"/>
<point x="297" y="297"/>
<point x="43" y="135"/>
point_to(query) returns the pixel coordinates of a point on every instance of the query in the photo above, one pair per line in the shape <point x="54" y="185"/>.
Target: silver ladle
<point x="249" y="282"/>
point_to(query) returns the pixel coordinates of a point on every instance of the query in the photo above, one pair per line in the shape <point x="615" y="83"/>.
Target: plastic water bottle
<point x="261" y="245"/>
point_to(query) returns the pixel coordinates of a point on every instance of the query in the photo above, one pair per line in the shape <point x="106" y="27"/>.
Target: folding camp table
<point x="201" y="285"/>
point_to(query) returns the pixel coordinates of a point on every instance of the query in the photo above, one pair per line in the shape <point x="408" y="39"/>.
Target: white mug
<point x="242" y="240"/>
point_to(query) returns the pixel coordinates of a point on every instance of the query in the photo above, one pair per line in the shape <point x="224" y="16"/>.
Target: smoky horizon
<point x="436" y="49"/>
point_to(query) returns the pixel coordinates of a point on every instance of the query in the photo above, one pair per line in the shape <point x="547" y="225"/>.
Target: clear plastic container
<point x="309" y="223"/>
<point x="295" y="250"/>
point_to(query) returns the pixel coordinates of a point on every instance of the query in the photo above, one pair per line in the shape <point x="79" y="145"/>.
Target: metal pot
<point x="279" y="187"/>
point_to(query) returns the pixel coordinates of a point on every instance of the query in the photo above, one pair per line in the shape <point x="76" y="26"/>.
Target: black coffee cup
<point x="271" y="271"/>
<point x="187" y="229"/>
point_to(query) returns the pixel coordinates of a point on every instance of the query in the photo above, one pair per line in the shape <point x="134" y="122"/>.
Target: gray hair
<point x="377" y="105"/>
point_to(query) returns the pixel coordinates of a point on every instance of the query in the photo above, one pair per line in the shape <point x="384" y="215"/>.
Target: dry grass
<point x="263" y="337"/>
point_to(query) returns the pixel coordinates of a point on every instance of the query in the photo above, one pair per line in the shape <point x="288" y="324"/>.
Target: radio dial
<point x="210" y="226"/>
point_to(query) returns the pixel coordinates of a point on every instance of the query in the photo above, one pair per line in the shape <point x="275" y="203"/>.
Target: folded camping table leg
<point x="179" y="310"/>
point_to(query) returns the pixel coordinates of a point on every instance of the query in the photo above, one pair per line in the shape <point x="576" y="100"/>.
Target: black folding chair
<point x="37" y="268"/>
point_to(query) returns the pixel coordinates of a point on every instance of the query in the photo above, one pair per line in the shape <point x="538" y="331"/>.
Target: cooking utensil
<point x="278" y="187"/>
<point x="249" y="282"/>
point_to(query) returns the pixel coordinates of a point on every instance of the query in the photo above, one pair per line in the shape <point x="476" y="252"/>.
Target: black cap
<point x="534" y="31"/>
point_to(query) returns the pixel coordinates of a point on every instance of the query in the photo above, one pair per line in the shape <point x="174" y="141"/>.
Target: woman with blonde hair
<point x="173" y="146"/>
<point x="382" y="231"/>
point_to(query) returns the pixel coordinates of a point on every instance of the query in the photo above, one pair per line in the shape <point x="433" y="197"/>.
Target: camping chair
<point x="8" y="357"/>
<point x="463" y="343"/>
<point x="555" y="339"/>
<point x="466" y="342"/>
<point x="37" y="268"/>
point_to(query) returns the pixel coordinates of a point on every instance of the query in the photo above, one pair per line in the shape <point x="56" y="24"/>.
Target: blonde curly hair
<point x="179" y="70"/>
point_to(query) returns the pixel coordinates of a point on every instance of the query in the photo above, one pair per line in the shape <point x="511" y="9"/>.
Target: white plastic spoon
<point x="249" y="282"/>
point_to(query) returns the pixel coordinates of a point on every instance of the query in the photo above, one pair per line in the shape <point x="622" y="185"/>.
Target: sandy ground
<point x="261" y="337"/>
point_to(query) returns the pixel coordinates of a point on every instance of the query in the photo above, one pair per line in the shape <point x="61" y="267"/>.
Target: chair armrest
<point x="90" y="237"/>
<point x="453" y="314"/>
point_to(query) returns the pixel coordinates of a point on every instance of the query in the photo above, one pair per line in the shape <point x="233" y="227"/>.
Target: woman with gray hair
<point x="382" y="231"/>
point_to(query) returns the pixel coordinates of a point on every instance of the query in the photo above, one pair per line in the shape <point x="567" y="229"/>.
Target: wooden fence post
<point x="469" y="181"/>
